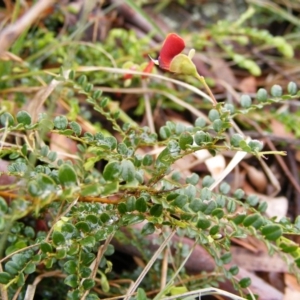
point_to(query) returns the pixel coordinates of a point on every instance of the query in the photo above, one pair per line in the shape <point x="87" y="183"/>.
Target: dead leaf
<point x="248" y="85"/>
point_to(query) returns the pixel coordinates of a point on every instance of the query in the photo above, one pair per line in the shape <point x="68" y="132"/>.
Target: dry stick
<point x="30" y="292"/>
<point x="13" y="31"/>
<point x="164" y="268"/>
<point x="148" y="108"/>
<point x="171" y="281"/>
<point x="95" y="263"/>
<point x="205" y="292"/>
<point x="172" y="97"/>
<point x="127" y="71"/>
<point x="132" y="289"/>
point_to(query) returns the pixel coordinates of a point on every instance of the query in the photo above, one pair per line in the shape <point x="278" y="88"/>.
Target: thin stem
<point x="149" y="265"/>
<point x="96" y="262"/>
<point x="171" y="281"/>
<point x="202" y="80"/>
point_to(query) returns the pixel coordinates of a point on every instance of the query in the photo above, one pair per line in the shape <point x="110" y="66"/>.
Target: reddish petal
<point x="172" y="46"/>
<point x="148" y="68"/>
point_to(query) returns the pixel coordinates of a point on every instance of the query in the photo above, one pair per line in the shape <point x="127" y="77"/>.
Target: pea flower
<point x="171" y="59"/>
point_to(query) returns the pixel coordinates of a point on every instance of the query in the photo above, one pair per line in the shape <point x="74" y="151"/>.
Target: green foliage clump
<point x="85" y="207"/>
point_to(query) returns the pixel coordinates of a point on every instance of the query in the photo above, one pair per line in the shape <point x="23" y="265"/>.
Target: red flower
<point x="171" y="58"/>
<point x="172" y="46"/>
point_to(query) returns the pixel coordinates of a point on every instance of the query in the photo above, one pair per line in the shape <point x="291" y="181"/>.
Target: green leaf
<point x="60" y="122"/>
<point x="226" y="258"/>
<point x="104" y="283"/>
<point x="252" y="200"/>
<point x="180" y="201"/>
<point x="87" y="258"/>
<point x="83" y="227"/>
<point x="245" y="282"/>
<point x="200" y="122"/>
<point x="276" y="90"/>
<point x="49" y="262"/>
<point x="88" y="241"/>
<point x="30" y="268"/>
<point x="208" y="207"/>
<point x="292" y="88"/>
<point x="84" y="272"/>
<point x="193" y="179"/>
<point x="246" y="101"/>
<point x="6" y="119"/>
<point x="127" y="170"/>
<point x="82" y="80"/>
<point x="3" y="206"/>
<point x="23" y="117"/>
<point x="262" y="95"/>
<point x="164" y="132"/>
<point x="72" y="281"/>
<point x="76" y="128"/>
<point x="61" y="253"/>
<point x="156" y="210"/>
<point x="88" y="284"/>
<point x="236" y="139"/>
<point x="203" y="223"/>
<point x="68" y="230"/>
<point x="224" y="188"/>
<point x="141" y="204"/>
<point x="122" y="208"/>
<point x="239" y="194"/>
<point x="214" y="230"/>
<point x="202" y="137"/>
<point x="297" y="222"/>
<point x="255" y="145"/>
<point x="185" y="140"/>
<point x="272" y="232"/>
<point x="20" y="279"/>
<point x="147" y="160"/>
<point x="141" y="295"/>
<point x="58" y="238"/>
<point x="70" y="267"/>
<point x="148" y="228"/>
<point x="213" y="115"/>
<point x="196" y="205"/>
<point x="12" y="268"/>
<point x="207" y="181"/>
<point x="254" y="220"/>
<point x="90" y="189"/>
<point x="110" y="188"/>
<point x="218" y="212"/>
<point x="234" y="270"/>
<point x="238" y="219"/>
<point x="288" y="248"/>
<point x="218" y="125"/>
<point x="67" y="175"/>
<point x="97" y="94"/>
<point x="132" y="219"/>
<point x="231" y="206"/>
<point x="5" y="277"/>
<point x="262" y="207"/>
<point x="130" y="203"/>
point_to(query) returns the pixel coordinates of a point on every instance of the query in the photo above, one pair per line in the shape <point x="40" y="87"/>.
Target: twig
<point x="132" y="289"/>
<point x="205" y="292"/>
<point x="95" y="264"/>
<point x="171" y="281"/>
